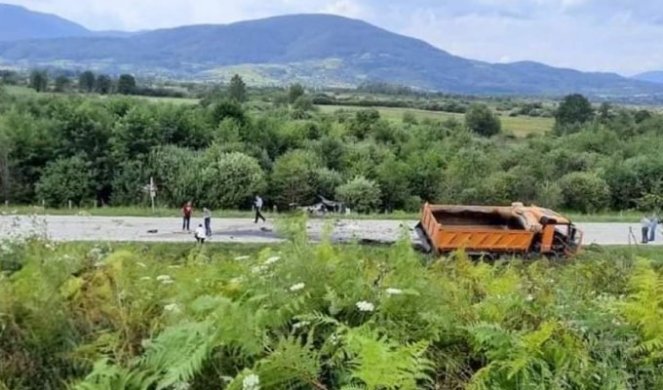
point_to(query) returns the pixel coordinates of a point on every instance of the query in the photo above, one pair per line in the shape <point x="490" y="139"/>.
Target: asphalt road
<point x="242" y="230"/>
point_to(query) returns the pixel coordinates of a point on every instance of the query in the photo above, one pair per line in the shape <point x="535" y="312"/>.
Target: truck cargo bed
<point x="474" y="229"/>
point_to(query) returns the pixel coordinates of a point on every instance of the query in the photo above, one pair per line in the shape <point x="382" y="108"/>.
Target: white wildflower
<point x="240" y="258"/>
<point x="226" y="378"/>
<point x="145" y="278"/>
<point x="162" y="278"/>
<point x="146" y="343"/>
<point x="95" y="253"/>
<point x="258" y="269"/>
<point x="272" y="260"/>
<point x="365" y="306"/>
<point x="394" y="291"/>
<point x="173" y="307"/>
<point x="251" y="382"/>
<point x="334" y="339"/>
<point x="300" y="324"/>
<point x="174" y="266"/>
<point x="529" y="298"/>
<point x="297" y="287"/>
<point x="168" y="281"/>
<point x="181" y="386"/>
<point x="141" y="265"/>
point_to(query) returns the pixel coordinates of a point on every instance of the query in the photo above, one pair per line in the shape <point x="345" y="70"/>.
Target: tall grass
<point x="302" y="316"/>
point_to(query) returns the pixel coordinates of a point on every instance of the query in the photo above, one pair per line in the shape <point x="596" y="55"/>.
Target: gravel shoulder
<point x="243" y="230"/>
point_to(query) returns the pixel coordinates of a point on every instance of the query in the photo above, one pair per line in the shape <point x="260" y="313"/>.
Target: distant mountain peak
<point x="19" y="23"/>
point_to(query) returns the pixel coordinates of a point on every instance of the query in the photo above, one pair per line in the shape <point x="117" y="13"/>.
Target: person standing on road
<point x="257" y="205"/>
<point x="200" y="234"/>
<point x="644" y="224"/>
<point x="207" y="215"/>
<point x="653" y="224"/>
<point x="187" y="210"/>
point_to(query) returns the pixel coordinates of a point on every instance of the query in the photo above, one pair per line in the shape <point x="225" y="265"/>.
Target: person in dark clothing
<point x="653" y="224"/>
<point x="257" y="205"/>
<point x="187" y="210"/>
<point x="644" y="223"/>
<point x="207" y="215"/>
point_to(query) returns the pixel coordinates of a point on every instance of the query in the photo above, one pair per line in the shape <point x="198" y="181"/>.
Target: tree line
<point x="78" y="148"/>
<point x="87" y="82"/>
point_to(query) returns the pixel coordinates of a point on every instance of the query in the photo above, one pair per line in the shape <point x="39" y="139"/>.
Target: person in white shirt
<point x="200" y="234"/>
<point x="257" y="205"/>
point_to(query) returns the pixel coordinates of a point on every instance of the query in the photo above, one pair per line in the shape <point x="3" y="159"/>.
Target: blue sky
<point x="624" y="36"/>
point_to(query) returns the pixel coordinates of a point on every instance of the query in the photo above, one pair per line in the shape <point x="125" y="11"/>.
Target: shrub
<point x="65" y="180"/>
<point x="584" y="192"/>
<point x="481" y="120"/>
<point x="360" y="194"/>
<point x="232" y="180"/>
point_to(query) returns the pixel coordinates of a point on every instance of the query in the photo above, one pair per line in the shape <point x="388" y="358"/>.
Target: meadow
<point x="302" y="316"/>
<point x="520" y="126"/>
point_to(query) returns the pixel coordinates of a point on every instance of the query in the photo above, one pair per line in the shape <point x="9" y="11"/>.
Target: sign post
<point x="153" y="192"/>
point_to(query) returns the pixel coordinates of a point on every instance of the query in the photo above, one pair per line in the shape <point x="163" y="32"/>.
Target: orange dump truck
<point x="494" y="231"/>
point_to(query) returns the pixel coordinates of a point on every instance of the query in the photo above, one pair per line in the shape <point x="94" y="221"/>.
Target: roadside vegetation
<point x="92" y="146"/>
<point x="139" y="316"/>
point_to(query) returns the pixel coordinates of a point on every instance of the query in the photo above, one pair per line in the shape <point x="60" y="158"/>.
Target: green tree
<point x="128" y="184"/>
<point x="584" y="192"/>
<point x="228" y="109"/>
<point x="293" y="179"/>
<point x="303" y="103"/>
<point x="327" y="182"/>
<point x="232" y="179"/>
<point x="86" y="81"/>
<point x="392" y="177"/>
<point x="574" y="110"/>
<point x="237" y="89"/>
<point x="126" y="84"/>
<point x="295" y="92"/>
<point x="65" y="180"/>
<point x="62" y="83"/>
<point x="39" y="80"/>
<point x="360" y="194"/>
<point x="104" y="84"/>
<point x="135" y="134"/>
<point x="482" y="121"/>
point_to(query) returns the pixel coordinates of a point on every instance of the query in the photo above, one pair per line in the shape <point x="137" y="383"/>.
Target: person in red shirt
<point x="187" y="210"/>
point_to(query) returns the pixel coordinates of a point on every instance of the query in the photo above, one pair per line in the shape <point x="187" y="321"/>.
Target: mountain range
<point x="316" y="49"/>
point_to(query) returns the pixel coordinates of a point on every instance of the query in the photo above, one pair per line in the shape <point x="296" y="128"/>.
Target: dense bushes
<point x="360" y="194"/>
<point x="193" y="153"/>
<point x="324" y="317"/>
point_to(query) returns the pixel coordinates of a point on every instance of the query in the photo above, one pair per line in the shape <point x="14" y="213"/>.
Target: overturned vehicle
<point x="493" y="231"/>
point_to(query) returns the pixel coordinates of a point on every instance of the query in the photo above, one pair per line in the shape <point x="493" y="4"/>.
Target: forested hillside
<point x="314" y="49"/>
<point x="59" y="148"/>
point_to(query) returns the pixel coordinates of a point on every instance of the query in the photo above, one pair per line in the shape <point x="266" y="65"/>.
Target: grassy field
<point x="520" y="126"/>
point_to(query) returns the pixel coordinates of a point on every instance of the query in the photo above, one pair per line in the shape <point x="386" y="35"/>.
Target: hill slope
<point x="18" y="23"/>
<point x="652" y="77"/>
<point x="316" y="49"/>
